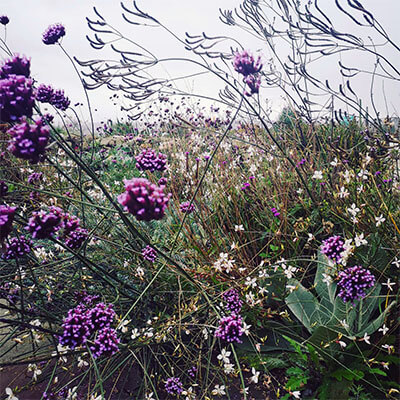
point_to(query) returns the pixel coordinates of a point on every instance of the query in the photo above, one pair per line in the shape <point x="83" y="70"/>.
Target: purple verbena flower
<point x="17" y="247"/>
<point x="6" y="219"/>
<point x="29" y="141"/>
<point x="192" y="372"/>
<point x="149" y="160"/>
<point x="43" y="225"/>
<point x="106" y="343"/>
<point x="44" y="93"/>
<point x="173" y="386"/>
<point x="4" y="20"/>
<point x="101" y="316"/>
<point x="76" y="238"/>
<point x="47" y="118"/>
<point x="333" y="247"/>
<point x="354" y="282"/>
<point x="35" y="177"/>
<point x="149" y="254"/>
<point x="230" y="328"/>
<point x="275" y="212"/>
<point x="143" y="199"/>
<point x="245" y="64"/>
<point x="15" y="66"/>
<point x="186" y="207"/>
<point x="77" y="328"/>
<point x="16" y="98"/>
<point x="59" y="100"/>
<point x="254" y="83"/>
<point x="53" y="34"/>
<point x="162" y="181"/>
<point x="233" y="302"/>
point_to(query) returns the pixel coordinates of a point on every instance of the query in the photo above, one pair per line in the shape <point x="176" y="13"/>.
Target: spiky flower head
<point x="16" y="65"/>
<point x="7" y="214"/>
<point x="53" y="34"/>
<point x="16" y="98"/>
<point x="245" y="64"/>
<point x="17" y="248"/>
<point x="4" y="20"/>
<point x="230" y="328"/>
<point x="59" y="100"/>
<point x="354" y="282"/>
<point x="333" y="248"/>
<point x="186" y="207"/>
<point x="44" y="93"/>
<point x="106" y="343"/>
<point x="233" y="302"/>
<point x="42" y="224"/>
<point x="149" y="254"/>
<point x="150" y="160"/>
<point x="173" y="386"/>
<point x="76" y="328"/>
<point x="143" y="199"/>
<point x="101" y="316"/>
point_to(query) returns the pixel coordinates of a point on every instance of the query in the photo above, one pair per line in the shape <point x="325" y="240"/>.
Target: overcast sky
<point x="29" y="18"/>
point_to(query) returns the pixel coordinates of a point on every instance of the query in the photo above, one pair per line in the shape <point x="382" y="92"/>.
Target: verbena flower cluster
<point x="143" y="199"/>
<point x="150" y="160"/>
<point x="59" y="100"/>
<point x="354" y="282"/>
<point x="6" y="219"/>
<point x="35" y="177"/>
<point x="44" y="93"/>
<point x="233" y="302"/>
<point x="53" y="34"/>
<point x="254" y="83"/>
<point x="230" y="328"/>
<point x="333" y="247"/>
<point x="4" y="20"/>
<point x="149" y="254"/>
<point x="17" y="247"/>
<point x="16" y="65"/>
<point x="245" y="64"/>
<point x="29" y="141"/>
<point x="81" y="323"/>
<point x="186" y="207"/>
<point x="173" y="386"/>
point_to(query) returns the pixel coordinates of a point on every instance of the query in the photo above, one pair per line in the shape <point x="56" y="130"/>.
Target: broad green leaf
<point x="326" y="292"/>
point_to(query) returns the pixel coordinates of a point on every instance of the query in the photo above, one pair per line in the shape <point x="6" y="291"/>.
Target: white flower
<point x="149" y="396"/>
<point x="384" y="329"/>
<point x="96" y="397"/>
<point x="327" y="279"/>
<point x="343" y="192"/>
<point x="251" y="282"/>
<point x="228" y="368"/>
<point x="244" y="391"/>
<point x="380" y="220"/>
<point x="389" y="284"/>
<point x="245" y="328"/>
<point x="359" y="240"/>
<point x="205" y="333"/>
<point x="317" y="175"/>
<point x="288" y="271"/>
<point x="82" y="363"/>
<point x="139" y="272"/>
<point x="72" y="393"/>
<point x="234" y="246"/>
<point x="342" y="344"/>
<point x="334" y="163"/>
<point x="239" y="228"/>
<point x="255" y="375"/>
<point x="344" y="324"/>
<point x="353" y="210"/>
<point x="396" y="262"/>
<point x="135" y="333"/>
<point x="36" y="371"/>
<point x="224" y="356"/>
<point x="299" y="191"/>
<point x="366" y="338"/>
<point x="10" y="394"/>
<point x="123" y="326"/>
<point x="218" y="390"/>
<point x="296" y="394"/>
<point x="290" y="288"/>
<point x="363" y="174"/>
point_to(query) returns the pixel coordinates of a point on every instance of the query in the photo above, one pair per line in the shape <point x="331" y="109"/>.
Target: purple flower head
<point x="77" y="328"/>
<point x="230" y="328"/>
<point x="44" y="93"/>
<point x="173" y="386"/>
<point x="275" y="212"/>
<point x="101" y="316"/>
<point x="143" y="199"/>
<point x="149" y="254"/>
<point x="245" y="64"/>
<point x="35" y="177"/>
<point x="4" y="20"/>
<point x="186" y="207"/>
<point x="48" y="117"/>
<point x="333" y="248"/>
<point x="233" y="302"/>
<point x="149" y="160"/>
<point x="29" y="141"/>
<point x="253" y="82"/>
<point x="162" y="181"/>
<point x="16" y="98"/>
<point x="76" y="238"/>
<point x="106" y="343"/>
<point x="69" y="223"/>
<point x="59" y="100"/>
<point x="6" y="219"/>
<point x="3" y="189"/>
<point x="43" y="225"/>
<point x="354" y="282"/>
<point x="17" y="247"/>
<point x="53" y="34"/>
<point x="192" y="372"/>
<point x="15" y="66"/>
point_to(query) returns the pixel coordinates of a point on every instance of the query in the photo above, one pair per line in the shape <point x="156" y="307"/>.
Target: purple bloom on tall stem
<point x="245" y="64"/>
<point x="15" y="66"/>
<point x="53" y="34"/>
<point x="16" y="98"/>
<point x="254" y="83"/>
<point x="233" y="302"/>
<point x="106" y="343"/>
<point x="143" y="199"/>
<point x="333" y="248"/>
<point x="186" y="207"/>
<point x="17" y="247"/>
<point x="59" y="100"/>
<point x="101" y="316"/>
<point x="29" y="141"/>
<point x="230" y="328"/>
<point x="43" y="225"/>
<point x="77" y="328"/>
<point x="44" y="93"/>
<point x="149" y="160"/>
<point x="354" y="282"/>
<point x="4" y="20"/>
<point x="173" y="386"/>
<point x="35" y="177"/>
<point x="6" y="219"/>
<point x="149" y="254"/>
<point x="76" y="238"/>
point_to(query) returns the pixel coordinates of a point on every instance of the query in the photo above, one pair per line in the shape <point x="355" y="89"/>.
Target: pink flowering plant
<point x="202" y="247"/>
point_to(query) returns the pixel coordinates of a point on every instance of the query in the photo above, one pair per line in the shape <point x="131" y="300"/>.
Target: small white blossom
<point x="218" y="390"/>
<point x="255" y="375"/>
<point x="10" y="394"/>
<point x="246" y="328"/>
<point x="380" y="220"/>
<point x="317" y="175"/>
<point x="82" y="363"/>
<point x="353" y="210"/>
<point x="228" y="368"/>
<point x="366" y="338"/>
<point x="384" y="329"/>
<point x="327" y="279"/>
<point x="359" y="240"/>
<point x="389" y="284"/>
<point x="396" y="262"/>
<point x="135" y="333"/>
<point x="343" y="193"/>
<point x="239" y="228"/>
<point x="296" y="394"/>
<point x="224" y="356"/>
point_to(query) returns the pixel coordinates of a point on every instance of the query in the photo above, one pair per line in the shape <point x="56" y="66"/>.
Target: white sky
<point x="29" y="18"/>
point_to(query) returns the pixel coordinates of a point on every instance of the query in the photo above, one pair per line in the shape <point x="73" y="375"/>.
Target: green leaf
<point x="377" y="371"/>
<point x="325" y="292"/>
<point x="296" y="382"/>
<point x="348" y="374"/>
